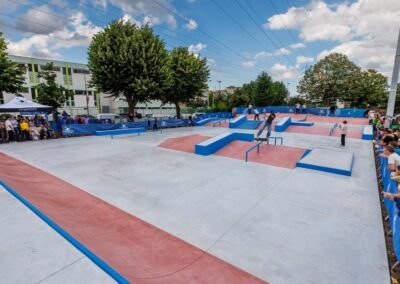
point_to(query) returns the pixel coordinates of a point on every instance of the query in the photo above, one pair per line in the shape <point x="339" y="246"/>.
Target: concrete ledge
<point x="206" y="120"/>
<point x="368" y="133"/>
<point x="214" y="144"/>
<point x="120" y="131"/>
<point x="237" y="121"/>
<point x="283" y="124"/>
<point x="336" y="162"/>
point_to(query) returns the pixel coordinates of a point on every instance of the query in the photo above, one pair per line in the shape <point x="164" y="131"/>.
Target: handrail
<point x="275" y="138"/>
<point x="252" y="148"/>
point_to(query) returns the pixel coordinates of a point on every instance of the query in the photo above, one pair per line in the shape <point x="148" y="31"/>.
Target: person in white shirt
<point x="343" y="131"/>
<point x="257" y="114"/>
<point x="297" y="108"/>
<point x="10" y="129"/>
<point x="392" y="156"/>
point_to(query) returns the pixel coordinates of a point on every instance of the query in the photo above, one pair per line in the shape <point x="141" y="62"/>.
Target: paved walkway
<point x="280" y="225"/>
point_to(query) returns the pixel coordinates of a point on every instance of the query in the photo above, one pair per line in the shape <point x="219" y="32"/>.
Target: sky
<point x="239" y="38"/>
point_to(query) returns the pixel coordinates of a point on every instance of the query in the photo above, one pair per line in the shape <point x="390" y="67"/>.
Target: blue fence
<point x="392" y="206"/>
<point x="87" y="129"/>
<point x="342" y="112"/>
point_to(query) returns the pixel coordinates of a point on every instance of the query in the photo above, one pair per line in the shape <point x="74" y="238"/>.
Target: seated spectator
<point x="34" y="132"/>
<point x="386" y="138"/>
<point x="392" y="156"/>
<point x="24" y="127"/>
<point x="42" y="132"/>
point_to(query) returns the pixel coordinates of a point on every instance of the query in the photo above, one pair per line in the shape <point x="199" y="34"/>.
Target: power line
<point x="237" y="23"/>
<point x="262" y="30"/>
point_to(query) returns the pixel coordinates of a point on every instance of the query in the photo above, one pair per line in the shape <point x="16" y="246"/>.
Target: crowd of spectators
<point x="20" y="128"/>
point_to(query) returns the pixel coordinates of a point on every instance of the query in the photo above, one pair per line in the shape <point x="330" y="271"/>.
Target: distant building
<point x="75" y="77"/>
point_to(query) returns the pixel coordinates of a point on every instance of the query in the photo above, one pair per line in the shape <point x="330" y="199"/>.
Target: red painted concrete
<point x="279" y="156"/>
<point x="309" y="130"/>
<point x="320" y="119"/>
<point x="224" y="124"/>
<point x="184" y="143"/>
<point x="351" y="133"/>
<point x="139" y="251"/>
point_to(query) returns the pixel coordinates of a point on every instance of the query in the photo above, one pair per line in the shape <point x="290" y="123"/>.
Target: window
<point x="33" y="67"/>
<point x="70" y="99"/>
<point x="79" y="92"/>
<point x="1" y="98"/>
<point x="33" y="93"/>
<point x="67" y="71"/>
<point x="95" y="98"/>
<point x="55" y="68"/>
<point x="81" y="71"/>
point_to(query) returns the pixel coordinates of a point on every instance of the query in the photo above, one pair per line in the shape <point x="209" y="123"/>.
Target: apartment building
<point x="76" y="77"/>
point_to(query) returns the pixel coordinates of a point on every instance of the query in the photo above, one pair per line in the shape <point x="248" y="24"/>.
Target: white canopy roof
<point x="19" y="104"/>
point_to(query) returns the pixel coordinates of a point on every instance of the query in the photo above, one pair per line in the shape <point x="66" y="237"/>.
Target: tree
<point x="11" y="76"/>
<point x="263" y="93"/>
<point x="330" y="80"/>
<point x="368" y="88"/>
<point x="238" y="98"/>
<point x="189" y="75"/>
<point x="280" y="94"/>
<point x="129" y="61"/>
<point x="49" y="92"/>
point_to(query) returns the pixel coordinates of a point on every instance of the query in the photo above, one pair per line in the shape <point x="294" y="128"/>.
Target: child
<point x="343" y="128"/>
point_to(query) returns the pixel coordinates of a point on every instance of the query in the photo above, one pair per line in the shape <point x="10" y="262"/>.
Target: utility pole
<point x="219" y="86"/>
<point x="393" y="86"/>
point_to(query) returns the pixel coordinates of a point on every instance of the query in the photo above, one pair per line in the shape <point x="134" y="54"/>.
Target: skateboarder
<point x="270" y="119"/>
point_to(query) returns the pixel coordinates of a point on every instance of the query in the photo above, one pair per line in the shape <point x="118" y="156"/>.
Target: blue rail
<point x="252" y="148"/>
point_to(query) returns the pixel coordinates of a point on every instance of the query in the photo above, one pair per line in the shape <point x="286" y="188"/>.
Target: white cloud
<point x="151" y="21"/>
<point x="41" y="20"/>
<point x="297" y="45"/>
<point x="262" y="54"/>
<point x="146" y="10"/>
<point x="249" y="64"/>
<point x="196" y="48"/>
<point x="282" y="51"/>
<point x="191" y="25"/>
<point x="78" y="33"/>
<point x="282" y="72"/>
<point x="366" y="31"/>
<point x="129" y="18"/>
<point x="303" y="59"/>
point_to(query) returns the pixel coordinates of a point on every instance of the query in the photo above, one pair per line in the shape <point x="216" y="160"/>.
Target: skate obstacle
<point x="212" y="145"/>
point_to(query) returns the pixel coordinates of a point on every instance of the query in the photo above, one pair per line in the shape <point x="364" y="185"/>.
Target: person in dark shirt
<point x="270" y="119"/>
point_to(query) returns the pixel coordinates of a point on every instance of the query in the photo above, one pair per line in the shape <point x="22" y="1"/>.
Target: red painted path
<point x="351" y="133"/>
<point x="139" y="251"/>
<point x="279" y="156"/>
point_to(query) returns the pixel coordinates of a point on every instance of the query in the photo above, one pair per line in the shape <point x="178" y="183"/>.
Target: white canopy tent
<point x="21" y="104"/>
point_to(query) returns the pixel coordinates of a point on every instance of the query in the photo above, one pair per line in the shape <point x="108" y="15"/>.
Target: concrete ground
<point x="281" y="225"/>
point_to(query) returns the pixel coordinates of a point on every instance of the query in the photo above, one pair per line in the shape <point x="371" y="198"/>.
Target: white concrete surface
<point x="285" y="226"/>
<point x="333" y="159"/>
<point x="32" y="252"/>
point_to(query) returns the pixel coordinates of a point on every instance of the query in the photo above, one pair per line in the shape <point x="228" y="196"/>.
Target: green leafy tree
<point x="130" y="62"/>
<point x="279" y="94"/>
<point x="368" y="88"/>
<point x="49" y="92"/>
<point x="238" y="98"/>
<point x="330" y="80"/>
<point x="263" y="90"/>
<point x="11" y="76"/>
<point x="189" y="74"/>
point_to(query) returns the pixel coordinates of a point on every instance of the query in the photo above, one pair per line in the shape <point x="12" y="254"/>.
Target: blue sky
<point x="240" y="38"/>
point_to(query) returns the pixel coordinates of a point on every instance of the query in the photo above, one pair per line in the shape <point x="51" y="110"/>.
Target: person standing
<point x="257" y="114"/>
<point x="14" y="123"/>
<point x="24" y="126"/>
<point x="343" y="131"/>
<point x="155" y="123"/>
<point x="297" y="108"/>
<point x="304" y="110"/>
<point x="250" y="107"/>
<point x="269" y="121"/>
<point x="10" y="130"/>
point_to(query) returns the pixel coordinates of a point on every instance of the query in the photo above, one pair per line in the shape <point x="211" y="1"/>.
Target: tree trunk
<point x="178" y="110"/>
<point x="131" y="104"/>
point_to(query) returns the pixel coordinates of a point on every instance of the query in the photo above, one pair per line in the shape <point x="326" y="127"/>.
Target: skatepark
<point x="204" y="204"/>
